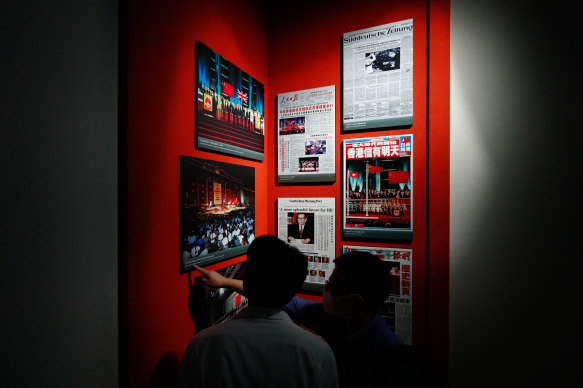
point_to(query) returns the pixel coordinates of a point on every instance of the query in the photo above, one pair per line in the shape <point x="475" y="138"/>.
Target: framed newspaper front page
<point x="229" y="112"/>
<point x="306" y="138"/>
<point x="378" y="187"/>
<point x="309" y="225"/>
<point x="397" y="309"/>
<point x="378" y="77"/>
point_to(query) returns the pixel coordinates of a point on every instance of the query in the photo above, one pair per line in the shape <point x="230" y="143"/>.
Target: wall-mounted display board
<point x="397" y="309"/>
<point x="378" y="187"/>
<point x="229" y="107"/>
<point x="309" y="225"/>
<point x="212" y="306"/>
<point x="378" y="77"/>
<point x="306" y="138"/>
<point x="217" y="211"/>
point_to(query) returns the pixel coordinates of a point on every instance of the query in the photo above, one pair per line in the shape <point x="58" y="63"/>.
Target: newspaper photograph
<point x="306" y="135"/>
<point x="378" y="187"/>
<point x="309" y="225"/>
<point x="378" y="77"/>
<point x="397" y="308"/>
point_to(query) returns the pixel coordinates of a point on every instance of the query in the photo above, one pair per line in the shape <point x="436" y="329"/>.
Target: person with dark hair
<point x="261" y="346"/>
<point x="348" y="318"/>
<point x="368" y="353"/>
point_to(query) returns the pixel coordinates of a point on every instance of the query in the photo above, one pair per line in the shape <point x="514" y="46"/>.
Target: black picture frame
<point x="229" y="107"/>
<point x="378" y="188"/>
<point x="217" y="211"/>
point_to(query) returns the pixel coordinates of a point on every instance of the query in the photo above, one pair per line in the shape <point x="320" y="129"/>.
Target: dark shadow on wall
<point x="166" y="372"/>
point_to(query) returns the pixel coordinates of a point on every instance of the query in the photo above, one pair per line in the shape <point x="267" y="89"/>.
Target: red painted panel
<point x="438" y="172"/>
<point x="161" y="127"/>
<point x="320" y="65"/>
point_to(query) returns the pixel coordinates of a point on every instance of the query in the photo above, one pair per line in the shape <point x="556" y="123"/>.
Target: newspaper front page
<point x="397" y="309"/>
<point x="378" y="77"/>
<point x="309" y="225"/>
<point x="378" y="187"/>
<point x="307" y="135"/>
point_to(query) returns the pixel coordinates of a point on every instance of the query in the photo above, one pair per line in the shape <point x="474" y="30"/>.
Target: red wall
<point x="161" y="127"/>
<point x="316" y="44"/>
<point x="315" y="41"/>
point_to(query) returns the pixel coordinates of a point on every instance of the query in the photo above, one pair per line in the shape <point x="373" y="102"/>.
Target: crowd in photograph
<point x="225" y="110"/>
<point x="376" y="206"/>
<point x="385" y="193"/>
<point x="213" y="233"/>
<point x="309" y="164"/>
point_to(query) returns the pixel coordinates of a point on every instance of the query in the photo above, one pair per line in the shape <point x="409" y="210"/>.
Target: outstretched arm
<point x="215" y="279"/>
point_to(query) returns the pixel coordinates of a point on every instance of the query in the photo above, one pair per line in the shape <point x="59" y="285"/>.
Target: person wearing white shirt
<point x="261" y="346"/>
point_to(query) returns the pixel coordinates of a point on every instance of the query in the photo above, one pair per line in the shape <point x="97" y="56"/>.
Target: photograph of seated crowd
<point x="218" y="207"/>
<point x="379" y="193"/>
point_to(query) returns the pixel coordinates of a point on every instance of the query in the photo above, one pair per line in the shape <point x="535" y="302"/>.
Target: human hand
<point x="211" y="278"/>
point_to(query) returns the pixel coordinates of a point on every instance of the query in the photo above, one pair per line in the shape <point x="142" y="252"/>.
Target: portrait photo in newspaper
<point x="309" y="225"/>
<point x="398" y="308"/>
<point x="307" y="136"/>
<point x="378" y="187"/>
<point x="377" y="81"/>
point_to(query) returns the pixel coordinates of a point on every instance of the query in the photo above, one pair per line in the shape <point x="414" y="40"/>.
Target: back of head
<point x="365" y="274"/>
<point x="274" y="272"/>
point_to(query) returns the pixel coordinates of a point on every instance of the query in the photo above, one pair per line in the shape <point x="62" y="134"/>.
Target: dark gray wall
<point x="58" y="238"/>
<point x="515" y="205"/>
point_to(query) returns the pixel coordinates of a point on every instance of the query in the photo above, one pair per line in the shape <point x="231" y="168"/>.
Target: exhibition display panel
<point x="306" y="136"/>
<point x="397" y="310"/>
<point x="309" y="224"/>
<point x="378" y="187"/>
<point x="217" y="211"/>
<point x="181" y="96"/>
<point x="378" y="77"/>
<point x="229" y="107"/>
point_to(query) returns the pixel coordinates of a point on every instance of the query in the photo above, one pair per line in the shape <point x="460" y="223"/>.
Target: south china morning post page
<point x="309" y="224"/>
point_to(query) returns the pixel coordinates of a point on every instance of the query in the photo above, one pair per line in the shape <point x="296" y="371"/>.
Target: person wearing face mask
<point x="348" y="319"/>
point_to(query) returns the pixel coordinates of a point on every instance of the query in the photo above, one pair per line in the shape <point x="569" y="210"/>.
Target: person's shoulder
<point x="296" y="304"/>
<point x="224" y="329"/>
<point x="310" y="341"/>
<point x="379" y="333"/>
